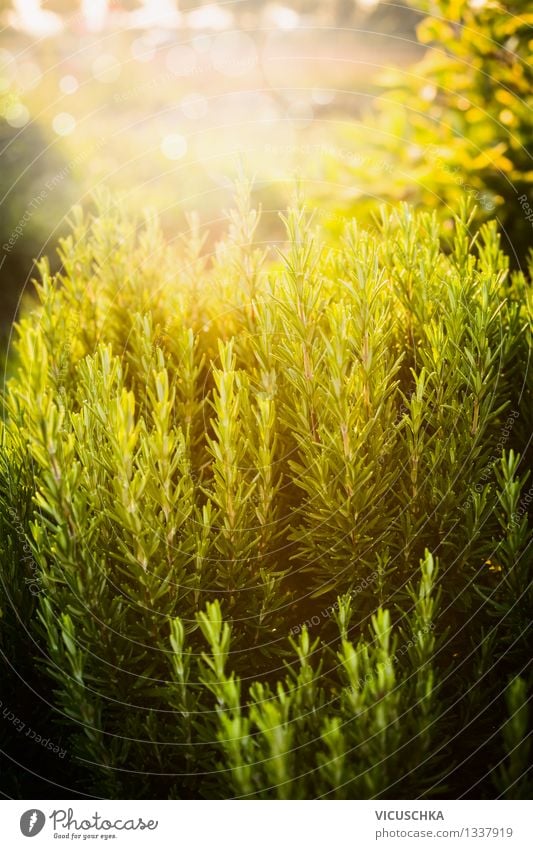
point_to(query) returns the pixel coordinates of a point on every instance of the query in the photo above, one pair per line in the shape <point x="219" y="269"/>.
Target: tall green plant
<point x="287" y="463"/>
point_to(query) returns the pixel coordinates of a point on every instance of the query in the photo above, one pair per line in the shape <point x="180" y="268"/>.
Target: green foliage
<point x="289" y="743"/>
<point x="513" y="779"/>
<point x="202" y="459"/>
<point x="458" y="122"/>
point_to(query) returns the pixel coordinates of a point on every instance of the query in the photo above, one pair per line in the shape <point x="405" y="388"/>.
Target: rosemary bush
<point x="262" y="526"/>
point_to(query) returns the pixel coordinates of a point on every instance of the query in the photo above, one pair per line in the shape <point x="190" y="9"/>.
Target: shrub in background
<point x="203" y="456"/>
<point x="458" y="122"/>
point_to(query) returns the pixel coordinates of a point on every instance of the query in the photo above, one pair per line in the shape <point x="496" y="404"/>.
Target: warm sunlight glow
<point x="31" y="18"/>
<point x="265" y="431"/>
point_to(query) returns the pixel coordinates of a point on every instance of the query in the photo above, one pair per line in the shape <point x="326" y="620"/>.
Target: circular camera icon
<point x="32" y="822"/>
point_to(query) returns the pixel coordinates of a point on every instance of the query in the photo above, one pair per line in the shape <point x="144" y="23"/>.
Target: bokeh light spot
<point x="64" y="123"/>
<point x="174" y="146"/>
<point x="322" y="97"/>
<point x="69" y="84"/>
<point x="17" y="115"/>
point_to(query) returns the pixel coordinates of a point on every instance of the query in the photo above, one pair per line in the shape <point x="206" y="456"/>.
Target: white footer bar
<point x="267" y="825"/>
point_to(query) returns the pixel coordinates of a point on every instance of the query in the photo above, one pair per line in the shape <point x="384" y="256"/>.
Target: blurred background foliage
<point x="457" y="121"/>
<point x="366" y="102"/>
